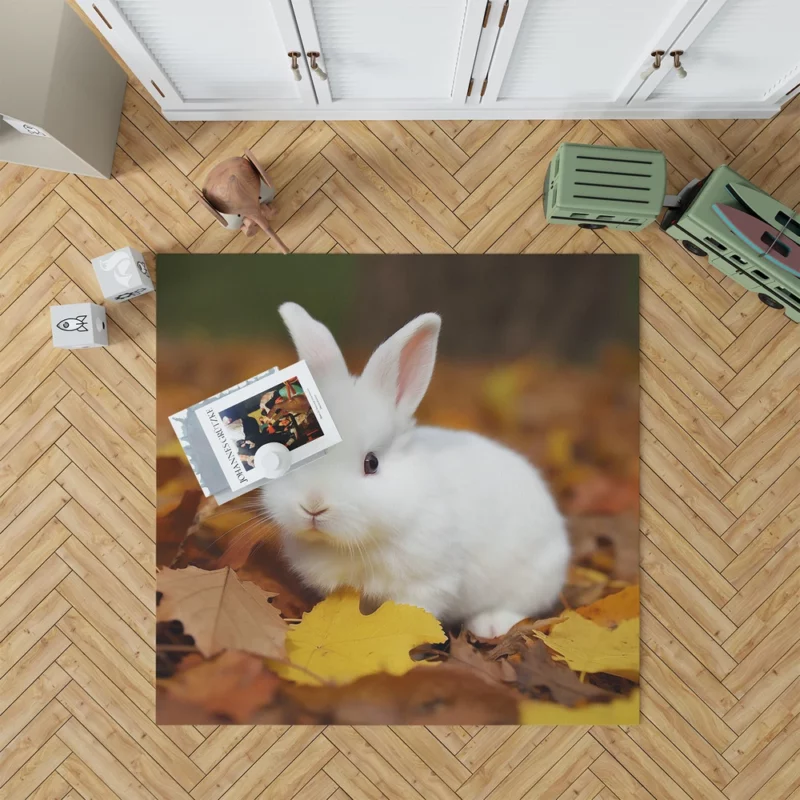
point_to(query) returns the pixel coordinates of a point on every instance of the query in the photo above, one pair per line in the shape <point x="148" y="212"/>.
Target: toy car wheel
<point x="769" y="301"/>
<point x="693" y="248"/>
<point x="592" y="226"/>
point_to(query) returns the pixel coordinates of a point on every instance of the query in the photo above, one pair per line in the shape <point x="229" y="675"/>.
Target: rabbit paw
<point x="490" y="624"/>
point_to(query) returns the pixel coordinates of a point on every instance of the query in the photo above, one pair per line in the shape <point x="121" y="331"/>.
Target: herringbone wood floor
<point x="720" y="488"/>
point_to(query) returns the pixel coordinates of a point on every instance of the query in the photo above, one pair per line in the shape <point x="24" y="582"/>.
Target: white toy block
<point x="78" y="325"/>
<point x="122" y="274"/>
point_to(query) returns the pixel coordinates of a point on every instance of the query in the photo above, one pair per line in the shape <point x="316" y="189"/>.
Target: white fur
<point x="452" y="521"/>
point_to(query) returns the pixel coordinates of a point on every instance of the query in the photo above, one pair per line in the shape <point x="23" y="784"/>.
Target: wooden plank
<point x="399" y="179"/>
<point x="437" y="143"/>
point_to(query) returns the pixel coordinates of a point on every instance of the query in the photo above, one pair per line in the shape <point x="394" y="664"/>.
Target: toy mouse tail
<point x="267" y="228"/>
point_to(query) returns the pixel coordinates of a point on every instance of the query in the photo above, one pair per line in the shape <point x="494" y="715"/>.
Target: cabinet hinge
<point x="483" y="88"/>
<point x="503" y="15"/>
<point x="486" y="13"/>
<point x="469" y="88"/>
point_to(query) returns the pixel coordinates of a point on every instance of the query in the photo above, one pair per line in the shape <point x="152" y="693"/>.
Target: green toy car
<point x="700" y="230"/>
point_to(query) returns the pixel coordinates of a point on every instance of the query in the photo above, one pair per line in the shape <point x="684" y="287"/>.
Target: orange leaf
<point x="234" y="685"/>
<point x="615" y="608"/>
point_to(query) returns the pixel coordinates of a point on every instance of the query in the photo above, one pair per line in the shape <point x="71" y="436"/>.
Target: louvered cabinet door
<point x="384" y="54"/>
<point x="573" y="55"/>
<point x="209" y="54"/>
<point x="735" y="51"/>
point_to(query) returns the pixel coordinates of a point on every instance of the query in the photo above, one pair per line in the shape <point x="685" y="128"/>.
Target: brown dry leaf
<point x="232" y="685"/>
<point x="447" y="695"/>
<point x="167" y="468"/>
<point x="518" y="638"/>
<point x="463" y="654"/>
<point x="220" y="612"/>
<point x="615" y="608"/>
<point x="171" y="528"/>
<point x="290" y="604"/>
<point x="536" y="671"/>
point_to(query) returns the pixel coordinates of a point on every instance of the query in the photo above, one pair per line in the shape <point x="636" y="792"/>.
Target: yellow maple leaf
<point x="622" y="711"/>
<point x="336" y="642"/>
<point x="589" y="647"/>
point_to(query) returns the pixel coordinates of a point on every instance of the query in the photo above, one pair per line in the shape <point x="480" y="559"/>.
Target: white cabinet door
<point x="576" y="54"/>
<point x="384" y="54"/>
<point x="735" y="51"/>
<point x="208" y="54"/>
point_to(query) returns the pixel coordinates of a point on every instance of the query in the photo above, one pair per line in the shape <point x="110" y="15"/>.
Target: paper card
<point x="284" y="407"/>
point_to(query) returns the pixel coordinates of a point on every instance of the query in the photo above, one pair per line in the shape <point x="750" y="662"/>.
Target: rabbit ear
<point x="314" y="342"/>
<point x="403" y="365"/>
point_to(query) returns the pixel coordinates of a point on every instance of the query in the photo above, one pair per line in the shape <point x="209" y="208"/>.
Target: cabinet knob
<point x="313" y="56"/>
<point x="657" y="56"/>
<point x="676" y="60"/>
<point x="295" y="67"/>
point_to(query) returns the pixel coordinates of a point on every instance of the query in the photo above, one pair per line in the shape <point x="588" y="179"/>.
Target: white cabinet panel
<point x="417" y="59"/>
<point x="384" y="52"/>
<point x="205" y="52"/>
<point x="748" y="51"/>
<point x="581" y="50"/>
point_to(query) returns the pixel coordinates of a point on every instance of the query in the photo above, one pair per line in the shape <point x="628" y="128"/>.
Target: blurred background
<point x="539" y="352"/>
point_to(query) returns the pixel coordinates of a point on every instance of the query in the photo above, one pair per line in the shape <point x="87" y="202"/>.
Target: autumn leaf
<point x="589" y="647"/>
<point x="622" y="711"/>
<point x="233" y="685"/>
<point x="537" y="671"/>
<point x="615" y="608"/>
<point x="584" y="586"/>
<point x="220" y="612"/>
<point x="336" y="642"/>
<point x="167" y="468"/>
<point x="463" y="654"/>
<point x="444" y="695"/>
<point x="171" y="527"/>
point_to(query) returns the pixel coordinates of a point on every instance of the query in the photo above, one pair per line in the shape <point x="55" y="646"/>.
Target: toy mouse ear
<point x="403" y="365"/>
<point x="214" y="213"/>
<point x="314" y="343"/>
<point x="248" y="154"/>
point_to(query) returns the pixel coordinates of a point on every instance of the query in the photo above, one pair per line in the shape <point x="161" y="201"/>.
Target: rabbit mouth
<point x="313" y="533"/>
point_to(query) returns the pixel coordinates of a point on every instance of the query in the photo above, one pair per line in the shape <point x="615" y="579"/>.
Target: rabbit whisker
<point x="250" y="523"/>
<point x="262" y="517"/>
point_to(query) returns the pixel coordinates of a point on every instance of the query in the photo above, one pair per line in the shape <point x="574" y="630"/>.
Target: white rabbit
<point x="446" y="520"/>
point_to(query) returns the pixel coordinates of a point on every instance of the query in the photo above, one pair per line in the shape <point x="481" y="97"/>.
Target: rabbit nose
<point x="315" y="513"/>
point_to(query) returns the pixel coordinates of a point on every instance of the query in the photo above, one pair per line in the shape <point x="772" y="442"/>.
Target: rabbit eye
<point x="370" y="464"/>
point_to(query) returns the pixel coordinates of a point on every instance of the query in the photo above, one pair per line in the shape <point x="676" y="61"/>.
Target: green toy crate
<point x="605" y="187"/>
<point x="701" y="231"/>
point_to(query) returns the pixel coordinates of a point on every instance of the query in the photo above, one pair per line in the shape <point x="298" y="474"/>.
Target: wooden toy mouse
<point x="238" y="192"/>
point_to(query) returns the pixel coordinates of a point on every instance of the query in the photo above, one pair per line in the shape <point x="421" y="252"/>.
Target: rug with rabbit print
<point x="397" y="489"/>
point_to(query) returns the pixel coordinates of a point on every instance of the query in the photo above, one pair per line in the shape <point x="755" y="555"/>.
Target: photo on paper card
<point x="284" y="408"/>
